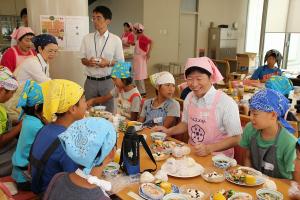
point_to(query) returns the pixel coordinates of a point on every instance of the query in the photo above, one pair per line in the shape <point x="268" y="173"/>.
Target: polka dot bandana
<point x="85" y="138"/>
<point x="121" y="70"/>
<point x="43" y="40"/>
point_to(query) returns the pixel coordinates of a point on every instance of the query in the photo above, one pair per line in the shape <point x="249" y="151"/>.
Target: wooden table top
<point x="206" y="162"/>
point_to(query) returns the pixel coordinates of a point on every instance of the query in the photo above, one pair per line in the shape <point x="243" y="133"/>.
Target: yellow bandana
<point x="59" y="96"/>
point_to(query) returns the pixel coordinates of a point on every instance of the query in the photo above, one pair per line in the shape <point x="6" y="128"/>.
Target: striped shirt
<point x="227" y="112"/>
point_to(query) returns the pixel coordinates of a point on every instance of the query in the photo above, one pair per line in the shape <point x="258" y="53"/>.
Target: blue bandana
<point x="43" y="40"/>
<point x="31" y="95"/>
<point x="121" y="70"/>
<point x="85" y="138"/>
<point x="268" y="100"/>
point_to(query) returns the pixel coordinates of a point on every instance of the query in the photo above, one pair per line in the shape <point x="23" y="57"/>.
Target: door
<point x="187" y="36"/>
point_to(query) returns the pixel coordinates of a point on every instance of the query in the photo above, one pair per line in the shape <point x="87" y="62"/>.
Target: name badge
<point x="268" y="166"/>
<point x="158" y="120"/>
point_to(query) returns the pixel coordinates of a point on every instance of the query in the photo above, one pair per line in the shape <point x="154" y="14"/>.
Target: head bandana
<point x="7" y="80"/>
<point x="31" y="95"/>
<point x="207" y="64"/>
<point x="281" y="84"/>
<point x="121" y="70"/>
<point x="276" y="54"/>
<point x="161" y="78"/>
<point x="43" y="40"/>
<point x="59" y="96"/>
<point x="20" y="32"/>
<point x="268" y="100"/>
<point x="138" y="26"/>
<point x="85" y="138"/>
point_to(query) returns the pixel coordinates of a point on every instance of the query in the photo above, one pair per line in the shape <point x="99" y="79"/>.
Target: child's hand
<point x="90" y="103"/>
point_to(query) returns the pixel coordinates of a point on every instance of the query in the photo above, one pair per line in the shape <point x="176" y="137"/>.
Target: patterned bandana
<point x="121" y="70"/>
<point x="281" y="84"/>
<point x="43" y="40"/>
<point x="59" y="96"/>
<point x="7" y="80"/>
<point x="88" y="141"/>
<point x="268" y="100"/>
<point x="278" y="56"/>
<point x="31" y="95"/>
<point x="161" y="78"/>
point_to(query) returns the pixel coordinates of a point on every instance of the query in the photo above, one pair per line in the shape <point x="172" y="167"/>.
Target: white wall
<point x="161" y="20"/>
<point x="222" y="12"/>
<point x="122" y="11"/>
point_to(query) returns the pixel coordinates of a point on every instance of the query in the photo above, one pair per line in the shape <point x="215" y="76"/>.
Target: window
<point x="293" y="61"/>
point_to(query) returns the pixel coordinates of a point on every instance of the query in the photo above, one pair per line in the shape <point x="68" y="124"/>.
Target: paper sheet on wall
<point x="68" y="30"/>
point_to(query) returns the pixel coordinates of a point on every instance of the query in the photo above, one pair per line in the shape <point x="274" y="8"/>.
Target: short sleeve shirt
<point x="264" y="73"/>
<point x="3" y="120"/>
<point x="136" y="101"/>
<point x="285" y="152"/>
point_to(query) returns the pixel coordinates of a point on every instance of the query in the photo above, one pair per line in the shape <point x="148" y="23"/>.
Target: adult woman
<point x="210" y="116"/>
<point x="264" y="72"/>
<point x="15" y="55"/>
<point x="36" y="68"/>
<point x="141" y="55"/>
<point x="127" y="36"/>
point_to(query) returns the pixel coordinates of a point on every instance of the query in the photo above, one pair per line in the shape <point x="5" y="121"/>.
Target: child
<point x="263" y="73"/>
<point x="90" y="143"/>
<point x="162" y="110"/>
<point x="31" y="101"/>
<point x="129" y="98"/>
<point x="270" y="146"/>
<point x="294" y="191"/>
<point x="65" y="101"/>
<point x="8" y="85"/>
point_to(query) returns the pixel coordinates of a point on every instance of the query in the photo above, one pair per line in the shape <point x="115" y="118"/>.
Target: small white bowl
<point x="158" y="136"/>
<point x="269" y="191"/>
<point x="99" y="108"/>
<point x="222" y="163"/>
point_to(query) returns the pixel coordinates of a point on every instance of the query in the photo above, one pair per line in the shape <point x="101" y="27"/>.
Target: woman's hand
<point x="202" y="149"/>
<point x="160" y="129"/>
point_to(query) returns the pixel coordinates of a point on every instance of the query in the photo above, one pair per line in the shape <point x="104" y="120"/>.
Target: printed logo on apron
<point x="197" y="134"/>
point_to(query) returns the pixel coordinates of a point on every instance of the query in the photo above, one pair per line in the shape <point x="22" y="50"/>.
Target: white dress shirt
<point x="93" y="44"/>
<point x="33" y="68"/>
<point x="227" y="112"/>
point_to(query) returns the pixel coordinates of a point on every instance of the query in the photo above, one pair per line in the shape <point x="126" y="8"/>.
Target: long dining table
<point x="206" y="162"/>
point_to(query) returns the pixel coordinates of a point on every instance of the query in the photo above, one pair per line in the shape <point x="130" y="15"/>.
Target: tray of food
<point x="230" y="195"/>
<point x="244" y="176"/>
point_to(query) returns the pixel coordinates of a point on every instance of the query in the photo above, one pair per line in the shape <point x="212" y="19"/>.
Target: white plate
<point x="196" y="170"/>
<point x="175" y="196"/>
<point x="240" y="194"/>
<point x="273" y="192"/>
<point x="259" y="180"/>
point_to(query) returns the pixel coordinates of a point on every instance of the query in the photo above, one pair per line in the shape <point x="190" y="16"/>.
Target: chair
<point x="224" y="69"/>
<point x="233" y="63"/>
<point x="294" y="124"/>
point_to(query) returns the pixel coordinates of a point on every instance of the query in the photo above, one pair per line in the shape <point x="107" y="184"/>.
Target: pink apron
<point x="139" y="63"/>
<point x="20" y="58"/>
<point x="202" y="125"/>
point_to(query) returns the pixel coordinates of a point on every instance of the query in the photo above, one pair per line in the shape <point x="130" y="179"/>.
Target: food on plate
<point x="152" y="191"/>
<point x="250" y="179"/>
<point x="166" y="186"/>
<point x="99" y="113"/>
<point x="213" y="176"/>
<point x="194" y="193"/>
<point x="185" y="167"/>
<point x="241" y="196"/>
<point x="245" y="176"/>
<point x="111" y="169"/>
<point x="146" y="177"/>
<point x="268" y="194"/>
<point x="158" y="156"/>
<point x="134" y="123"/>
<point x="175" y="196"/>
<point x="219" y="196"/>
<point x="180" y="151"/>
<point x="163" y="146"/>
